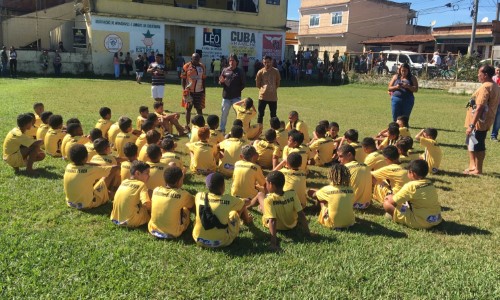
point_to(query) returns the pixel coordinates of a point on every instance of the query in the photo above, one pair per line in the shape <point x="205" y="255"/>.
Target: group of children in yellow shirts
<point x="140" y="169"/>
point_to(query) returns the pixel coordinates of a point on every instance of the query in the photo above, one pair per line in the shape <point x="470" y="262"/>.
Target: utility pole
<point x="498" y="10"/>
<point x="474" y="24"/>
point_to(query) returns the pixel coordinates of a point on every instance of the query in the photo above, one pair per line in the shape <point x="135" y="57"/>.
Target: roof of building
<point x="400" y="39"/>
<point x="464" y="25"/>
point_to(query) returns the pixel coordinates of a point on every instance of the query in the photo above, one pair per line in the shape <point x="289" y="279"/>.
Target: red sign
<point x="272" y="45"/>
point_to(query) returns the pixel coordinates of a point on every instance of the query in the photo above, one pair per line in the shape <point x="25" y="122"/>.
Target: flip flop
<point x="467" y="171"/>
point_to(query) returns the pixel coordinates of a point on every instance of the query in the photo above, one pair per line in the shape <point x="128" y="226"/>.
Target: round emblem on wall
<point x="113" y="43"/>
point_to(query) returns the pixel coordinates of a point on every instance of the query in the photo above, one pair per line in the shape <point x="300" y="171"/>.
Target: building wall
<point x="28" y="61"/>
<point x="315" y="3"/>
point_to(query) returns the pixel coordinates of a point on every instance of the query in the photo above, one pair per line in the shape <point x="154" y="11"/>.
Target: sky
<point x="432" y="10"/>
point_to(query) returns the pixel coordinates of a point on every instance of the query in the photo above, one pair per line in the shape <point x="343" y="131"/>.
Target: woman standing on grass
<point x="116" y="65"/>
<point x="402" y="87"/>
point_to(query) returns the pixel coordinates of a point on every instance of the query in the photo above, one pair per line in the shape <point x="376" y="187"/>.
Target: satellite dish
<point x="484" y="20"/>
<point x="433" y="23"/>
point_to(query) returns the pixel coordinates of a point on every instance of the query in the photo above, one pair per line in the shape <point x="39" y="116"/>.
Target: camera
<point x="471" y="103"/>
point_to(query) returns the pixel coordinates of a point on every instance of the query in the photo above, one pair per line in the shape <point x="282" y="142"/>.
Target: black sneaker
<point x="494" y="139"/>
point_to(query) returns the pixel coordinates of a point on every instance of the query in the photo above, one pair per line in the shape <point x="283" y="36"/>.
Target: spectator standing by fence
<point x="4" y="59"/>
<point x="57" y="63"/>
<point x="13" y="62"/>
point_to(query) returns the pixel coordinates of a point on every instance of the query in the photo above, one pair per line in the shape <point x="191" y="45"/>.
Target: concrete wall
<point x="72" y="63"/>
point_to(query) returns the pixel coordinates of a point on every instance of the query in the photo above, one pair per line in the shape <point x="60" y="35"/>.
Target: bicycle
<point x="442" y="72"/>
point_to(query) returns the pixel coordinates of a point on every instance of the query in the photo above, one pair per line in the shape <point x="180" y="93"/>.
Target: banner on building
<point x="243" y="42"/>
<point x="79" y="38"/>
<point x="272" y="45"/>
<point x="212" y="43"/>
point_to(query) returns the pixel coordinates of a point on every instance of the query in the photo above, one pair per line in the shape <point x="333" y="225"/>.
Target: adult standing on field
<point x="157" y="70"/>
<point x="193" y="85"/>
<point x="402" y="87"/>
<point x="267" y="81"/>
<point x="232" y="80"/>
<point x="480" y="115"/>
<point x="4" y="59"/>
<point x="13" y="62"/>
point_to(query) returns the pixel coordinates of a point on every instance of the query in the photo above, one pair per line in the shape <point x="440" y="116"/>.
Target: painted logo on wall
<point x="272" y="45"/>
<point x="113" y="43"/>
<point x="212" y="37"/>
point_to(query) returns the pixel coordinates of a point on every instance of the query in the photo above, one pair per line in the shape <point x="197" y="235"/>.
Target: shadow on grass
<point x="104" y="210"/>
<point x="493" y="174"/>
<point x="41" y="173"/>
<point x="454" y="228"/>
<point x="434" y="180"/>
<point x="370" y="228"/>
<point x="453" y="174"/>
<point x="443" y="188"/>
<point x="446" y="208"/>
<point x="456" y="146"/>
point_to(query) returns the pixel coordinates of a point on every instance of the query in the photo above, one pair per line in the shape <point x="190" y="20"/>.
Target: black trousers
<point x="273" y="106"/>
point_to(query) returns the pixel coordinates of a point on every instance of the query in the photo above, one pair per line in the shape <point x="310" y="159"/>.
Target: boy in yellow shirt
<point x="406" y="155"/>
<point x="227" y="211"/>
<point x="295" y="123"/>
<point x="168" y="120"/>
<point x="336" y="199"/>
<point x="145" y="127"/>
<point x="280" y="210"/>
<point x="152" y="138"/>
<point x="131" y="204"/>
<point x="156" y="177"/>
<point x="245" y="111"/>
<point x="103" y="155"/>
<point x="281" y="133"/>
<point x="130" y="151"/>
<point x="360" y="177"/>
<point x="433" y="154"/>
<point x="168" y="153"/>
<point x="268" y="150"/>
<point x="125" y="136"/>
<point x="198" y="121"/>
<point x="389" y="137"/>
<point x="32" y="131"/>
<point x="44" y="127"/>
<point x="20" y="150"/>
<point x="416" y="205"/>
<point x="248" y="178"/>
<point x="203" y="155"/>
<point x="171" y="204"/>
<point x="295" y="179"/>
<point x="87" y="186"/>
<point x="322" y="146"/>
<point x="54" y="136"/>
<point x="351" y="137"/>
<point x="374" y="158"/>
<point x="215" y="135"/>
<point x="391" y="178"/>
<point x="94" y="134"/>
<point x="295" y="139"/>
<point x="113" y="131"/>
<point x="104" y="123"/>
<point x="67" y="136"/>
<point x="403" y="126"/>
<point x="142" y="117"/>
<point x="75" y="132"/>
<point x="230" y="150"/>
<point x="38" y="108"/>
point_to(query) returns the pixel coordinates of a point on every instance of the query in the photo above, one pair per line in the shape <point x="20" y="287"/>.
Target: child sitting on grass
<point x="391" y="178"/>
<point x="416" y="205"/>
<point x="268" y="150"/>
<point x="67" y="136"/>
<point x="103" y="155"/>
<point x="113" y="131"/>
<point x="228" y="211"/>
<point x="281" y="133"/>
<point x="94" y="134"/>
<point x="54" y="136"/>
<point x="351" y="137"/>
<point x="360" y="177"/>
<point x="44" y="127"/>
<point x="203" y="155"/>
<point x="322" y="146"/>
<point x="80" y="186"/>
<point x="75" y="132"/>
<point x="405" y="145"/>
<point x="392" y="136"/>
<point x="230" y="150"/>
<point x="280" y="210"/>
<point x="130" y="151"/>
<point x="131" y="204"/>
<point x="32" y="131"/>
<point x="168" y="153"/>
<point x="153" y="137"/>
<point x="374" y="158"/>
<point x="171" y="204"/>
<point x="295" y="123"/>
<point x="38" y="108"/>
<point x="21" y="150"/>
<point x="248" y="178"/>
<point x="198" y="122"/>
<point x="245" y="111"/>
<point x="403" y="126"/>
<point x="125" y="136"/>
<point x="336" y="199"/>
<point x="295" y="139"/>
<point x="104" y="123"/>
<point x="142" y="117"/>
<point x="168" y="120"/>
<point x="156" y="177"/>
<point x="295" y="179"/>
<point x="433" y="154"/>
<point x="145" y="127"/>
<point x="215" y="136"/>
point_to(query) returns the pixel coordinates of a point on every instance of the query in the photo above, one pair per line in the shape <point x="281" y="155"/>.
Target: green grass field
<point x="48" y="250"/>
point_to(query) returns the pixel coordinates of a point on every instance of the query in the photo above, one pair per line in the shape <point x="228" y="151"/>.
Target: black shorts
<point x="198" y="100"/>
<point x="245" y="68"/>
<point x="480" y="137"/>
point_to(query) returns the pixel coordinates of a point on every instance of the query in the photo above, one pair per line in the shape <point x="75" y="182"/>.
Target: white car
<point x="395" y="58"/>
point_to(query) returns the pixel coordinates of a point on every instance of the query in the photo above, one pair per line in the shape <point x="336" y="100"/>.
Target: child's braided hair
<point x="339" y="175"/>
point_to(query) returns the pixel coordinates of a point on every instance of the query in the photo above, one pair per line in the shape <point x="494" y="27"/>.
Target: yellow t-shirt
<point x="232" y="150"/>
<point x="282" y="138"/>
<point x="139" y="121"/>
<point x="121" y="139"/>
<point x="167" y="204"/>
<point x="156" y="172"/>
<point x="245" y="176"/>
<point x="340" y="213"/>
<point x="303" y="150"/>
<point x="375" y="160"/>
<point x="104" y="126"/>
<point x="169" y="157"/>
<point x="394" y="174"/>
<point x="13" y="142"/>
<point x="267" y="151"/>
<point x="221" y="206"/>
<point x="81" y="140"/>
<point x="38" y="121"/>
<point x="300" y="126"/>
<point x="42" y="131"/>
<point x="215" y="137"/>
<point x="246" y="116"/>
<point x="79" y="183"/>
<point x="32" y="131"/>
<point x="141" y="141"/>
<point x="64" y="142"/>
<point x="361" y="183"/>
<point x="284" y="208"/>
<point x="203" y="159"/>
<point x="104" y="160"/>
<point x="113" y="131"/>
<point x="53" y="140"/>
<point x="143" y="153"/>
<point x="323" y="149"/>
<point x="194" y="134"/>
<point x="432" y="154"/>
<point x="125" y="170"/>
<point x="360" y="153"/>
<point x="406" y="159"/>
<point x="423" y="209"/>
<point x="404" y="131"/>
<point x="295" y="180"/>
<point x="90" y="150"/>
<point x="129" y="204"/>
<point x="387" y="142"/>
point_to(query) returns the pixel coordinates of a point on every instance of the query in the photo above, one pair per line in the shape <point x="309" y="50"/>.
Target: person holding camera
<point x="157" y="70"/>
<point x="402" y="87"/>
<point x="481" y="111"/>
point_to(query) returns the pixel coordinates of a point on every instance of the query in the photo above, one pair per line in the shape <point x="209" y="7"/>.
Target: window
<point x="336" y="18"/>
<point x="403" y="58"/>
<point x="314" y="21"/>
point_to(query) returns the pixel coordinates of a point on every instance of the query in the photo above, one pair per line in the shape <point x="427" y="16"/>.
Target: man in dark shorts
<point x="480" y="116"/>
<point x="193" y="85"/>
